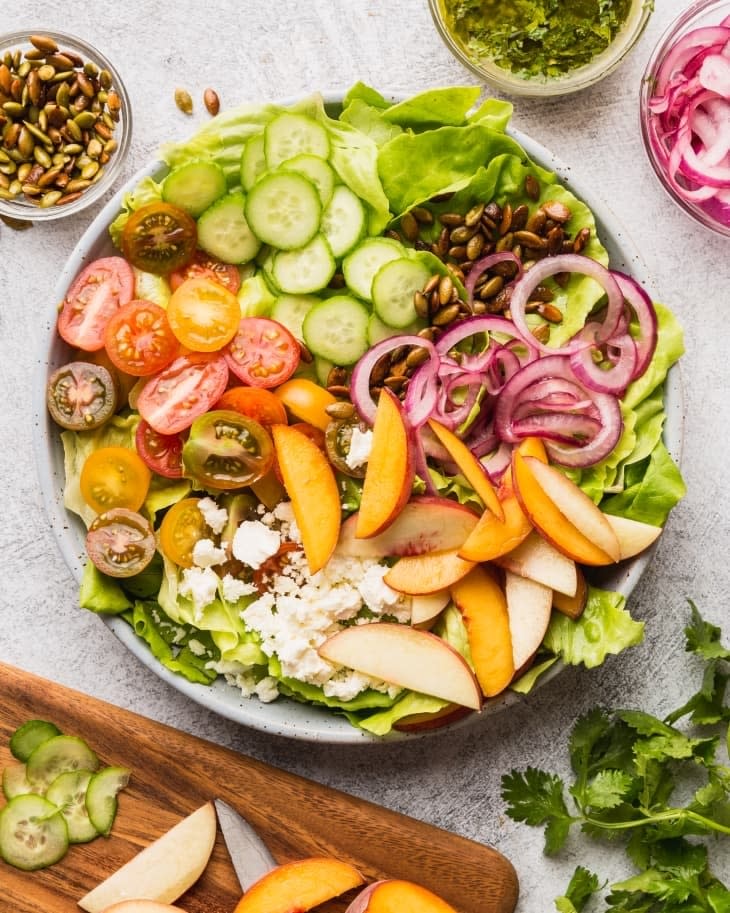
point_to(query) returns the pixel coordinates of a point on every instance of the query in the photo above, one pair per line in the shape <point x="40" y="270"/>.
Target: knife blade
<point x="249" y="854"/>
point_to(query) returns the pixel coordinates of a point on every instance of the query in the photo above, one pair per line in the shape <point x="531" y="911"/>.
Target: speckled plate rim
<point x="285" y="717"/>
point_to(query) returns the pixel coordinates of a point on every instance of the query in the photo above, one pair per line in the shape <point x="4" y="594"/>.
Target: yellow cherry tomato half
<point x="306" y="401"/>
<point x="182" y="526"/>
<point x="114" y="477"/>
<point x="203" y="314"/>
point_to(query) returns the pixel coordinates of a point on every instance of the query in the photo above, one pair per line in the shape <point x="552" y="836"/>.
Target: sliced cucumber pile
<point x="56" y="794"/>
<point x="296" y="222"/>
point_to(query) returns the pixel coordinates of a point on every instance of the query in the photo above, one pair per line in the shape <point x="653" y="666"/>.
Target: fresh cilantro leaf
<point x="703" y="638"/>
<point x="536" y="797"/>
<point x="606" y="790"/>
<point x="582" y="886"/>
<point x="718" y="898"/>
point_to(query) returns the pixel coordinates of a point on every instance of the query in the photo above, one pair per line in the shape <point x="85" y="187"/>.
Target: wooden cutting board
<point x="174" y="773"/>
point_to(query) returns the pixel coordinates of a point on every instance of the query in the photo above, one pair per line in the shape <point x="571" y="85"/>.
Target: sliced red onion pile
<point x="689" y="118"/>
<point x="492" y="383"/>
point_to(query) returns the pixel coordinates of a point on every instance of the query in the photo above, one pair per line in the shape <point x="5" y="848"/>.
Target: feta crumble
<point x="234" y="589"/>
<point x="207" y="554"/>
<point x="200" y="584"/>
<point x="254" y="542"/>
<point x="361" y="444"/>
<point x="215" y="517"/>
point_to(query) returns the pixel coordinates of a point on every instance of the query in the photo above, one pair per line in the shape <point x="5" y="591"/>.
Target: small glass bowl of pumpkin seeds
<point x="65" y="125"/>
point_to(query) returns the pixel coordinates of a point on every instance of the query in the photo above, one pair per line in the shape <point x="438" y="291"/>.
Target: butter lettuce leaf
<point x="183" y="650"/>
<point x="605" y="627"/>
<point x="434" y="108"/>
<point x="102" y="594"/>
<point x="659" y="486"/>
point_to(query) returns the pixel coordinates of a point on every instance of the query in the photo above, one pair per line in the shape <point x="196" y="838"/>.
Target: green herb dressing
<point x="535" y="38"/>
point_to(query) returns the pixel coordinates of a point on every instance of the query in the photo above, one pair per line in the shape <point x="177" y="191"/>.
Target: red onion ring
<point x="643" y="308"/>
<point x="487" y="262"/>
<point x="612" y="380"/>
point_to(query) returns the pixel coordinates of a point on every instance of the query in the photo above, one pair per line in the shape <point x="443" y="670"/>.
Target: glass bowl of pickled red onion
<point x="685" y="112"/>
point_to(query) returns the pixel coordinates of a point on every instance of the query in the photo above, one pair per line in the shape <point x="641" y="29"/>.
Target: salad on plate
<point x="358" y="410"/>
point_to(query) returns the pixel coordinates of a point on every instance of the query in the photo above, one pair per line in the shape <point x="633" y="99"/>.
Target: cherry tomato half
<point x="226" y="450"/>
<point x="114" y="477"/>
<point x="306" y="401"/>
<point x="203" y="314"/>
<point x="182" y="526"/>
<point x="256" y="403"/>
<point x="81" y="396"/>
<point x="120" y="542"/>
<point x="171" y="400"/>
<point x="139" y="340"/>
<point x="263" y="353"/>
<point x="208" y="267"/>
<point x="159" y="238"/>
<point x="94" y="297"/>
<point x="338" y="437"/>
<point x="161" y="452"/>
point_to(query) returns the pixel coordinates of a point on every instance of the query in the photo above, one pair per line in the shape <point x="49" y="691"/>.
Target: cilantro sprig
<point x="629" y="768"/>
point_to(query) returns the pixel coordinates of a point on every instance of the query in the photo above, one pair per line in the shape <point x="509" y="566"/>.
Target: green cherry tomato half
<point x="226" y="450"/>
<point x="81" y="396"/>
<point x="337" y="440"/>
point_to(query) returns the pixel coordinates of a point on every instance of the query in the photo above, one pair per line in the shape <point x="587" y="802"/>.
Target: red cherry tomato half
<point x="207" y="267"/>
<point x="159" y="238"/>
<point x="96" y="294"/>
<point x="161" y="452"/>
<point x="263" y="353"/>
<point x="139" y="339"/>
<point x="174" y="398"/>
<point x="120" y="542"/>
<point x="259" y="404"/>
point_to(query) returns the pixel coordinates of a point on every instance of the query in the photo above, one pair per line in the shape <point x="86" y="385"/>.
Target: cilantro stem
<point x="671" y="814"/>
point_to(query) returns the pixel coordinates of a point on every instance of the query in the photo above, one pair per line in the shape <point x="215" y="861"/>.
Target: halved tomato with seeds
<point x="139" y="339"/>
<point x="159" y="238"/>
<point x="208" y="267"/>
<point x="263" y="353"/>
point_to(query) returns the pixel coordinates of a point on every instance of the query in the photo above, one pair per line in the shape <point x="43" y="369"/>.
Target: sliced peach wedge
<point x="483" y="607"/>
<point x="397" y="896"/>
<point x="407" y="657"/>
<point x="633" y="536"/>
<point x="537" y="559"/>
<point x="390" y="470"/>
<point x="312" y="487"/>
<point x="424" y="574"/>
<point x="295" y="887"/>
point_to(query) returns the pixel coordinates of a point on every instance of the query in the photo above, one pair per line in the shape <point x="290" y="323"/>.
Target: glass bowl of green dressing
<point x="540" y="47"/>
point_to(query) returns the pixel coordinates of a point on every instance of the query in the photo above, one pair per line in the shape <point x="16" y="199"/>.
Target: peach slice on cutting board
<point x="164" y="870"/>
<point x="299" y="886"/>
<point x="311" y="484"/>
<point x="407" y="657"/>
<point x="397" y="896"/>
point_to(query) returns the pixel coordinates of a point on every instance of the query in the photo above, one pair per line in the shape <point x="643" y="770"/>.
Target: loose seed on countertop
<point x="211" y="101"/>
<point x="184" y="101"/>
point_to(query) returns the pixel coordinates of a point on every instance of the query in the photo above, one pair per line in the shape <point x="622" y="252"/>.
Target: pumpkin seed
<point x="184" y="101"/>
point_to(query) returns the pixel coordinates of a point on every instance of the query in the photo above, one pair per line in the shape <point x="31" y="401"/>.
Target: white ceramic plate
<point x="285" y="717"/>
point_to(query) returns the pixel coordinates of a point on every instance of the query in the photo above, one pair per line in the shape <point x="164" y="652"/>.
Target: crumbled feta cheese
<point x="234" y="589"/>
<point x="196" y="648"/>
<point x="214" y="516"/>
<point x="361" y="443"/>
<point x="199" y="584"/>
<point x="254" y="542"/>
<point x="267" y="690"/>
<point x="206" y="554"/>
<point x="376" y="594"/>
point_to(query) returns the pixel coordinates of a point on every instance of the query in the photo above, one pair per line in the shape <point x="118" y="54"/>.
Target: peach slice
<point x="426" y="524"/>
<point x="426" y="607"/>
<point x="390" y="471"/>
<point x="397" y="896"/>
<point x="311" y="484"/>
<point x="418" y="722"/>
<point x="555" y="521"/>
<point x="405" y="656"/>
<point x="472" y="469"/>
<point x="529" y="605"/>
<point x="165" y="869"/>
<point x="573" y="606"/>
<point x="423" y="574"/>
<point x="537" y="559"/>
<point x="300" y="885"/>
<point x="483" y="607"/>
<point x="633" y="536"/>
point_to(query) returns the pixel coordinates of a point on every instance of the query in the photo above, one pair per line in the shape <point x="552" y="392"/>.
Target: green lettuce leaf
<point x="525" y="683"/>
<point x="102" y="594"/>
<point x="659" y="486"/>
<point x="382" y="723"/>
<point x="670" y="346"/>
<point x="185" y="651"/>
<point x="604" y="627"/>
<point x="147" y="191"/>
<point x="434" y="108"/>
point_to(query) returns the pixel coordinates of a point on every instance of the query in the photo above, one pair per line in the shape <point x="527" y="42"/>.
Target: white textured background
<point x="256" y="51"/>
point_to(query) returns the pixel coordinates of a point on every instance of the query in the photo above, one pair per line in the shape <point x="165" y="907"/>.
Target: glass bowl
<point x="704" y="14"/>
<point x="29" y="148"/>
<point x="542" y="84"/>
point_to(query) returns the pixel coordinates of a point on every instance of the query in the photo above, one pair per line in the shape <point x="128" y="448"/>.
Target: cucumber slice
<point x="56" y="756"/>
<point x="378" y="331"/>
<point x="101" y="796"/>
<point x="15" y="781"/>
<point x="337" y="329"/>
<point x="283" y="209"/>
<point x="322" y="368"/>
<point x="68" y="793"/>
<point x="291" y="134"/>
<point x="253" y="161"/>
<point x="194" y="186"/>
<point x="151" y="287"/>
<point x="290" y="310"/>
<point x="393" y="288"/>
<point x="255" y="296"/>
<point x="29" y="736"/>
<point x="315" y="169"/>
<point x="303" y="271"/>
<point x="343" y="220"/>
<point x="33" y="833"/>
<point x="360" y="266"/>
<point x="223" y="230"/>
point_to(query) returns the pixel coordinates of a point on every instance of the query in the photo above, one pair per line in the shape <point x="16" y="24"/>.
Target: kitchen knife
<point x="249" y="854"/>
